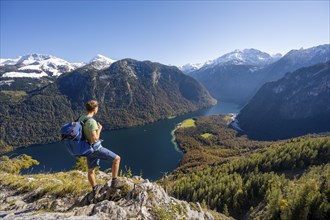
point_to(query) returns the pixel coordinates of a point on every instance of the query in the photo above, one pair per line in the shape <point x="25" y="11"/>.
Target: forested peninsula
<point x="226" y="171"/>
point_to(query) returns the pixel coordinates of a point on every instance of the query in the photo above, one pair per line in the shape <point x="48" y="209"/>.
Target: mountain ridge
<point x="296" y="59"/>
<point x="238" y="81"/>
<point x="37" y="66"/>
<point x="238" y="57"/>
<point x="43" y="65"/>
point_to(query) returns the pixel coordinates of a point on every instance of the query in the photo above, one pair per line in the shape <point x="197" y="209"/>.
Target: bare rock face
<point x="138" y="199"/>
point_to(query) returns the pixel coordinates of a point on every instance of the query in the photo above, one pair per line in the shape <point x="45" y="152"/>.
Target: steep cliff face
<point x="295" y="105"/>
<point x="130" y="93"/>
<point x="139" y="199"/>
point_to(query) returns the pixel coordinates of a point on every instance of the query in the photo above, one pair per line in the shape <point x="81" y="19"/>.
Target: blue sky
<point x="168" y="32"/>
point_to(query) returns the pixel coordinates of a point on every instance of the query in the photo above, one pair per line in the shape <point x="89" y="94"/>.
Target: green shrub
<point x="16" y="164"/>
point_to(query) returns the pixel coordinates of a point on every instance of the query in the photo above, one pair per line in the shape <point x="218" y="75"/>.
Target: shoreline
<point x="174" y="142"/>
<point x="168" y="125"/>
<point x="233" y="125"/>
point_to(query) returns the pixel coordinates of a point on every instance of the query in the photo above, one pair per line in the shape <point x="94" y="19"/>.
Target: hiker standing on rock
<point x="92" y="131"/>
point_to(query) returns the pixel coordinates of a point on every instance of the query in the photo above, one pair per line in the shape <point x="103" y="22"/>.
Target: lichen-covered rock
<point x="138" y="199"/>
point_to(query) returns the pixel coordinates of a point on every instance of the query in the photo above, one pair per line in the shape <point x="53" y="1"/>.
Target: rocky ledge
<point x="139" y="199"/>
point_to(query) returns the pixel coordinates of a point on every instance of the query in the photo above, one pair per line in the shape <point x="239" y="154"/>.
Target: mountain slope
<point x="146" y="91"/>
<point x="237" y="76"/>
<point x="129" y="92"/>
<point x="296" y="59"/>
<point x="294" y="105"/>
<point x="234" y="76"/>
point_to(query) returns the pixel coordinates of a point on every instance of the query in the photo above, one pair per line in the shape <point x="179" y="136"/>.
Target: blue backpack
<point x="74" y="139"/>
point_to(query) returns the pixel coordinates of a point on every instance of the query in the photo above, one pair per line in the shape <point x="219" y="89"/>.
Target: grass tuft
<point x="207" y="135"/>
<point x="188" y="123"/>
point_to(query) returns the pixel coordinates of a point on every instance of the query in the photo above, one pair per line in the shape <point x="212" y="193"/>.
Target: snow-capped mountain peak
<point x="37" y="65"/>
<point x="251" y="57"/>
<point x="100" y="57"/>
<point x="247" y="56"/>
<point x="101" y="62"/>
<point x="40" y="65"/>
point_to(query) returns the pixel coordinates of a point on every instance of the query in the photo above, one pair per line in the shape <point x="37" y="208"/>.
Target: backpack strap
<point x="83" y="123"/>
<point x="86" y="119"/>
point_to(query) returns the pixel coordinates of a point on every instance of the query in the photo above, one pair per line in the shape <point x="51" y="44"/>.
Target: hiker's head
<point x="92" y="106"/>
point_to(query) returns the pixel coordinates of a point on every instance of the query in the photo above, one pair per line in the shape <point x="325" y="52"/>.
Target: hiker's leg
<point x="106" y="154"/>
<point x="115" y="167"/>
<point x="92" y="163"/>
<point x="91" y="177"/>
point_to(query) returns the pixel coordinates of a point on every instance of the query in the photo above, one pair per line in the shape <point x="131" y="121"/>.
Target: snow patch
<point x="23" y="74"/>
<point x="30" y="67"/>
<point x="6" y="82"/>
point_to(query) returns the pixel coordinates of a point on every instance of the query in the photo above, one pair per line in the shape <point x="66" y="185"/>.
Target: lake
<point x="148" y="149"/>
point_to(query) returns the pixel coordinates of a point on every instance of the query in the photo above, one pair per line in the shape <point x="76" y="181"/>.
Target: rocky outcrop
<point x="139" y="199"/>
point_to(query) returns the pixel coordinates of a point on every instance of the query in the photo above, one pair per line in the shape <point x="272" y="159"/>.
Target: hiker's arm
<point x="96" y="134"/>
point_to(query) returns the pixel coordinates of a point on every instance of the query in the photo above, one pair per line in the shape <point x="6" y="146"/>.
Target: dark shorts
<point x="102" y="153"/>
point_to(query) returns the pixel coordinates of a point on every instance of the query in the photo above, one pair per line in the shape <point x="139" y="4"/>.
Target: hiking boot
<point x="116" y="184"/>
<point x="97" y="189"/>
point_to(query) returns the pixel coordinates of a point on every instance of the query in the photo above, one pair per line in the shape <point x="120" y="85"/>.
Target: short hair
<point x="91" y="105"/>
